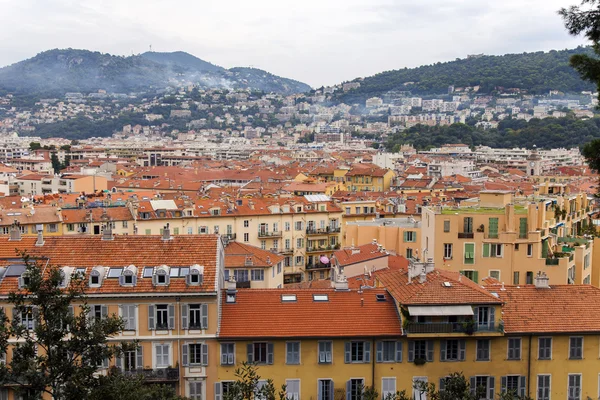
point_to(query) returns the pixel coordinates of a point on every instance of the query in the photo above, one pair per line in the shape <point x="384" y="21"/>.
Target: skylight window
<point x="174" y="272"/>
<point x="115" y="272"/>
<point x="288" y="297"/>
<point x="320" y="297"/>
<point x="447" y="284"/>
<point x="148" y="272"/>
<point x="380" y="297"/>
<point x="80" y="271"/>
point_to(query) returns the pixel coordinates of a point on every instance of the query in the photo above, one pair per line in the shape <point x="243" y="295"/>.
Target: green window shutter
<point x="469" y="253"/>
<point x="493" y="227"/>
<point x="405" y="236"/>
<point x="523" y="228"/>
<point x="486" y="249"/>
<point x="545" y="248"/>
<point x="475" y="276"/>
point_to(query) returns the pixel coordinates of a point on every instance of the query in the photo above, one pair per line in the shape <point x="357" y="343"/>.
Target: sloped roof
<point x="261" y="313"/>
<point x="432" y="292"/>
<point x="236" y="254"/>
<point x="358" y="254"/>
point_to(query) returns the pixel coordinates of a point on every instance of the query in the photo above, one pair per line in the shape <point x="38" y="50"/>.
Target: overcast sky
<point x="319" y="42"/>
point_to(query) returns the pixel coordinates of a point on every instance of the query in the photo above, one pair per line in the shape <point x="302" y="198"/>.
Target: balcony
<point x="287" y="250"/>
<point x="466" y="235"/>
<point x="266" y="234"/>
<point x="446" y="327"/>
<point x="318" y="249"/>
<point x="230" y="236"/>
<point x="318" y="265"/>
<point x="552" y="261"/>
<point x="314" y="231"/>
<point x="156" y="375"/>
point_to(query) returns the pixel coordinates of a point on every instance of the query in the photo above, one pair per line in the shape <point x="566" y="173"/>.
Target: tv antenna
<point x="150" y="48"/>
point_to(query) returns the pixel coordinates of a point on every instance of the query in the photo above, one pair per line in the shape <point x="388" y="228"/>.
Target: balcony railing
<point x="314" y="231"/>
<point x="230" y="236"/>
<point x="318" y="265"/>
<point x="312" y="249"/>
<point x="286" y="250"/>
<point x="264" y="234"/>
<point x="156" y="375"/>
<point x="466" y="235"/>
<point x="552" y="261"/>
<point x="446" y="327"/>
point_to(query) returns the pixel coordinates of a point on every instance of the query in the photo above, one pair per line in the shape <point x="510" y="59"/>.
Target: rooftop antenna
<point x="150" y="48"/>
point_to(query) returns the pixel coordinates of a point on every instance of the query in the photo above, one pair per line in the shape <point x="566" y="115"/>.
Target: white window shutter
<point x="171" y="316"/>
<point x="184" y="354"/>
<point x="104" y="312"/>
<point x="151" y="314"/>
<point x="204" y="309"/>
<point x="269" y="353"/>
<point x="367" y="346"/>
<point x="139" y="352"/>
<point x="250" y="351"/>
<point x="218" y="388"/>
<point x="398" y="351"/>
<point x="184" y="316"/>
<point x="204" y="354"/>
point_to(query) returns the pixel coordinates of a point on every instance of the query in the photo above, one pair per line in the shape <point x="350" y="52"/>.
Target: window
<point x="543" y="387"/>
<point x="410" y="236"/>
<point x="263" y="244"/>
<point x="293" y="389"/>
<point x="195" y="277"/>
<point x="468" y="225"/>
<point x="27" y="316"/>
<point x="298" y="225"/>
<point x="574" y="392"/>
<point x="70" y="227"/>
<point x="469" y="253"/>
<point x="492" y="250"/>
<point x="420" y="350"/>
<point x="493" y="227"/>
<point x="409" y="253"/>
<point x="325" y="356"/>
<point x="128" y="315"/>
<point x="576" y="348"/>
<point x="529" y="278"/>
<point x="494" y="273"/>
<point x="195" y="390"/>
<point x="161" y="277"/>
<point x="484" y="384"/>
<point x="52" y="228"/>
<point x="98" y="312"/>
<point x="484" y="318"/>
<point x="357" y="352"/>
<point x="447" y="225"/>
<point x="483" y="350"/>
<point x="516" y="278"/>
<point x="197" y="314"/>
<point x="448" y="251"/>
<point x="389" y="351"/>
<point x="286" y="226"/>
<point x="545" y="348"/>
<point x="161" y="316"/>
<point x="260" y="353"/>
<point x="258" y="275"/>
<point x="299" y="260"/>
<point x="197" y="352"/>
<point x="128" y="278"/>
<point x="299" y="243"/>
<point x="354" y="389"/>
<point x="522" y="228"/>
<point x="162" y="352"/>
<point x="529" y="250"/>
<point x="514" y="349"/>
<point x="452" y="350"/>
<point x="227" y="353"/>
<point x="292" y="353"/>
<point x="240" y="275"/>
<point x="472" y="275"/>
<point x="124" y="224"/>
<point x="246" y="223"/>
<point x="132" y="359"/>
<point x="325" y="390"/>
<point x="388" y="387"/>
<point x="246" y="237"/>
<point x="513" y="384"/>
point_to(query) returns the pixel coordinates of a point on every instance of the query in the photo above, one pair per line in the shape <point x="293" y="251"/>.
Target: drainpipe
<point x="373" y="356"/>
<point x="181" y="367"/>
<point x="529" y="367"/>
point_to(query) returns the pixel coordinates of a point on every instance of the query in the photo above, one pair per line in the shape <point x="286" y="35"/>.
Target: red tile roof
<point x="558" y="309"/>
<point x="237" y="253"/>
<point x="259" y="313"/>
<point x="432" y="292"/>
<point x="358" y="254"/>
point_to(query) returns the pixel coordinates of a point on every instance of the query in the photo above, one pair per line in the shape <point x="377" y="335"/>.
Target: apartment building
<point x="304" y="230"/>
<point x="401" y="236"/>
<point x="511" y="239"/>
<point x="165" y="288"/>
<point x="252" y="267"/>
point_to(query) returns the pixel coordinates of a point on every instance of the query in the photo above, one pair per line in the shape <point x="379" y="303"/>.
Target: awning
<point x="434" y="311"/>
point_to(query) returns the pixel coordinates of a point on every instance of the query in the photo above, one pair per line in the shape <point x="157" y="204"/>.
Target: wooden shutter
<point x="503" y="383"/>
<point x="405" y="236"/>
<point x="231" y="356"/>
<point x="522" y="384"/>
<point x="522" y="228"/>
<point x="204" y="309"/>
<point x="171" y="316"/>
<point x="289" y="352"/>
<point x="193" y="392"/>
<point x="476" y="315"/>
<point x="328" y="352"/>
<point x="348" y="389"/>
<point x="486" y="249"/>
<point x="347" y="352"/>
<point x="223" y="354"/>
<point x="139" y="353"/>
<point x="443" y="345"/>
<point x="411" y="351"/>
<point x="491" y="388"/>
<point x="367" y="347"/>
<point x="398" y="351"/>
<point x="204" y="351"/>
<point x="462" y="349"/>
<point x="151" y="314"/>
<point x="379" y="351"/>
<point x="492" y="316"/>
<point x="319" y="390"/>
<point x="475" y="276"/>
<point x="121" y="280"/>
<point x="104" y="311"/>
<point x="119" y="362"/>
<point x="124" y="315"/>
<point x="493" y="227"/>
<point x="473" y="384"/>
<point x="330" y="384"/>
<point x="218" y="391"/>
<point x="184" y="316"/>
<point x="269" y="353"/>
<point x="250" y="352"/>
<point x="134" y="280"/>
<point x="430" y="350"/>
<point x="184" y="355"/>
<point x="442" y="384"/>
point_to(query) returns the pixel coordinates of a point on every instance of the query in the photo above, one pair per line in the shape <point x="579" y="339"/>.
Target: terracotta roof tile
<point x="358" y="254"/>
<point x="237" y="253"/>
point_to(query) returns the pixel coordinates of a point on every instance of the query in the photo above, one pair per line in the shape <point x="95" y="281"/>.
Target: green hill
<point x="536" y="73"/>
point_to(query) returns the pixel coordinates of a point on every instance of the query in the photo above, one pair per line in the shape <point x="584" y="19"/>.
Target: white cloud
<point x="315" y="41"/>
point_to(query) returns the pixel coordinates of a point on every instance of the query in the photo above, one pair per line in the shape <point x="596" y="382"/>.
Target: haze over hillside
<point x="59" y="71"/>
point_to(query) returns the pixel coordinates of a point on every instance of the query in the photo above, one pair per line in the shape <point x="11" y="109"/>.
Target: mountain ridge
<point x="58" y="71"/>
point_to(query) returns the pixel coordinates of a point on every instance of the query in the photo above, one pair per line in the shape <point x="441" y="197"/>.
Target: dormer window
<point x="95" y="278"/>
<point x="24" y="281"/>
<point x="196" y="275"/>
<point x="63" y="279"/>
<point x="161" y="277"/>
<point x="129" y="276"/>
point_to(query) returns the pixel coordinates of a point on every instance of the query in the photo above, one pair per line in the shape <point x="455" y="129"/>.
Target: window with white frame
<point x="388" y="387"/>
<point x="161" y="316"/>
<point x="227" y="353"/>
<point x="293" y="389"/>
<point x="545" y="348"/>
<point x="389" y="351"/>
<point x="325" y="355"/>
<point x="448" y="251"/>
<point x="292" y="353"/>
<point x="198" y="316"/>
<point x="162" y="355"/>
<point x="357" y="352"/>
<point x="514" y="349"/>
<point x="543" y="387"/>
<point x="128" y="315"/>
<point x="576" y="348"/>
<point x="574" y="388"/>
<point x="195" y="390"/>
<point x="325" y="389"/>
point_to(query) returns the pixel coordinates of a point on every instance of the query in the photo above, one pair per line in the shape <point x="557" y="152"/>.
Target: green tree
<point x="56" y="164"/>
<point x="118" y="386"/>
<point x="35" y="146"/>
<point x="591" y="153"/>
<point x="57" y="350"/>
<point x="246" y="386"/>
<point x="585" y="19"/>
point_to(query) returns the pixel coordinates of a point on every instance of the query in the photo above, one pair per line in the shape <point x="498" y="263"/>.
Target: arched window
<point x="129" y="276"/>
<point x="196" y="275"/>
<point x="161" y="277"/>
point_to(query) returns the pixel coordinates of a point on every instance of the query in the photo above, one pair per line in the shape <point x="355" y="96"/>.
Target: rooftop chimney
<point x="40" y="235"/>
<point x="542" y="281"/>
<point x="15" y="231"/>
<point x="231" y="284"/>
<point x="167" y="233"/>
<point x="107" y="231"/>
<point x="341" y="283"/>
